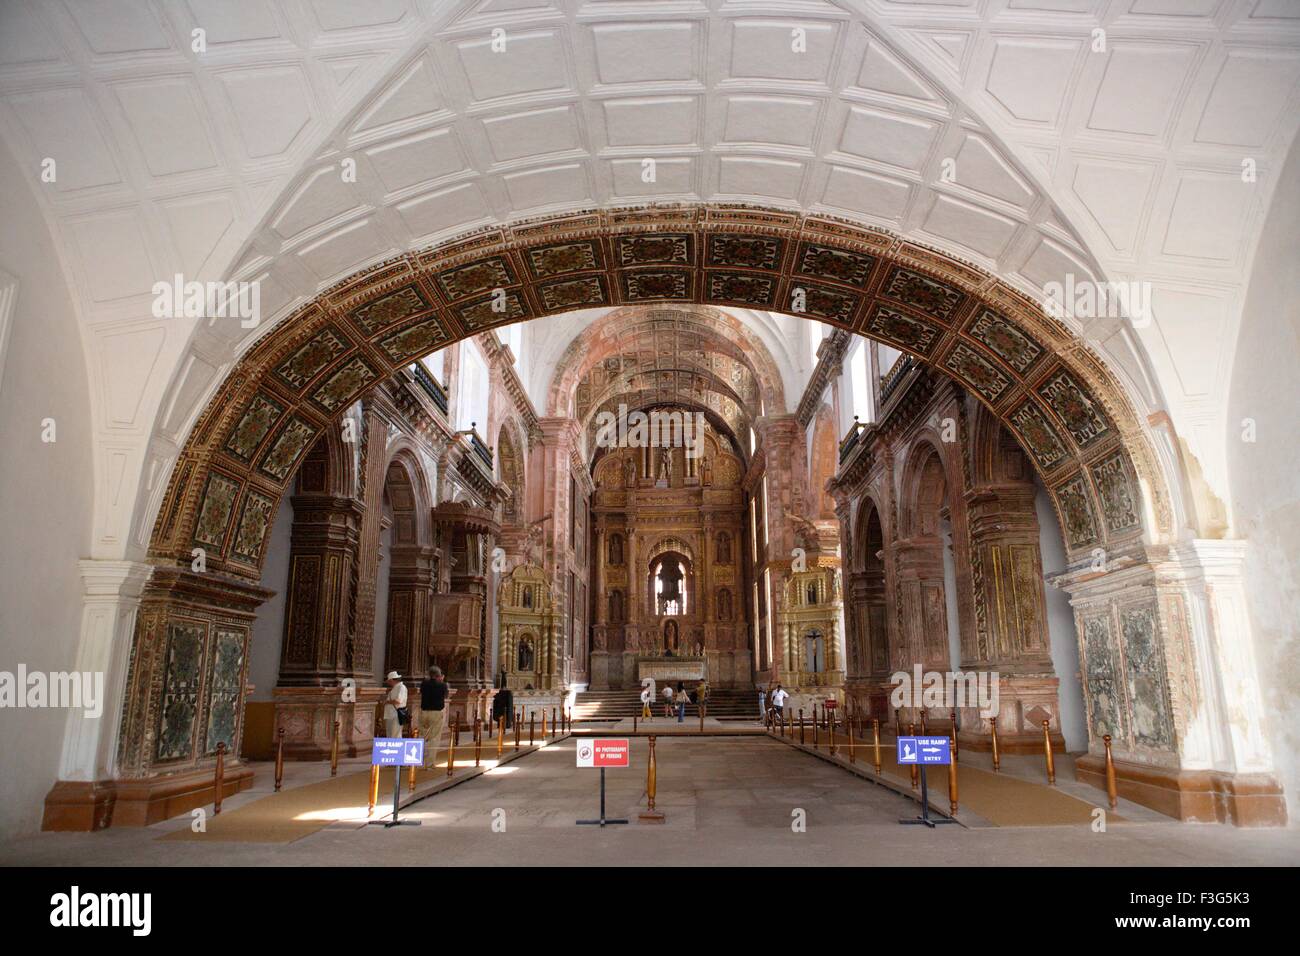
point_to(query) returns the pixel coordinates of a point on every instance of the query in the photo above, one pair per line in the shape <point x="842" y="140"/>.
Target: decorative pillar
<point x="83" y="796"/>
<point x="1168" y="668"/>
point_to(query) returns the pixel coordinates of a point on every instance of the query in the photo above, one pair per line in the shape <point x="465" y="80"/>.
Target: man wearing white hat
<point x="395" y="701"/>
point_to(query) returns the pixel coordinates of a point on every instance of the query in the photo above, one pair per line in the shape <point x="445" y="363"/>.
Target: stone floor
<point x="727" y="800"/>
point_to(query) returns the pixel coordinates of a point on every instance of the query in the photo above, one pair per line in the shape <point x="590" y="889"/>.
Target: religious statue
<point x="723" y="548"/>
<point x="526" y="655"/>
<point x="706" y="471"/>
<point x="665" y="471"/>
<point x="670" y="635"/>
<point x="724" y="605"/>
<point x="631" y="471"/>
<point x="616" y="549"/>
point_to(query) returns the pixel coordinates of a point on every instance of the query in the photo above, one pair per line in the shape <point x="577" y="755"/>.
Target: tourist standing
<point x="433" y="709"/>
<point x="395" y="714"/>
<point x="702" y="696"/>
<point x="681" y="697"/>
<point x="668" y="700"/>
<point x="779" y="697"/>
<point x="762" y="704"/>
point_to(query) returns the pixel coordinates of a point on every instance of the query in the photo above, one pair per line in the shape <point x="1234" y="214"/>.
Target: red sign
<point x="830" y="703"/>
<point x="604" y="752"/>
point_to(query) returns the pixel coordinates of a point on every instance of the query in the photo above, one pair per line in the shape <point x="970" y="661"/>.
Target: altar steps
<point x="724" y="704"/>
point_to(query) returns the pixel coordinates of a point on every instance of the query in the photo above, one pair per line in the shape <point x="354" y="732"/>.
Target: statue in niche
<point x="616" y="549"/>
<point x="706" y="471"/>
<point x="615" y="607"/>
<point x="526" y="655"/>
<point x="724" y="604"/>
<point x="723" y="548"/>
<point x="812" y="592"/>
<point x="670" y="635"/>
<point x="528" y="596"/>
<point x="631" y="471"/>
<point x="665" y="471"/>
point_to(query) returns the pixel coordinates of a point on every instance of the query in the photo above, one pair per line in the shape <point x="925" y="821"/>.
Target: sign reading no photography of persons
<point x="924" y="750"/>
<point x="604" y="752"/>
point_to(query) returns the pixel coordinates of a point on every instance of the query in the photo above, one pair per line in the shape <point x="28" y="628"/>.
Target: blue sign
<point x="398" y="752"/>
<point x="924" y="750"/>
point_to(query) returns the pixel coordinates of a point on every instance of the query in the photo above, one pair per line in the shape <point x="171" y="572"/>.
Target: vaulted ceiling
<point x="1008" y="132"/>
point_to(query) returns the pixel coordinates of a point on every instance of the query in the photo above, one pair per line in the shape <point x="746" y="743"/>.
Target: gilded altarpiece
<point x="529" y="631"/>
<point x="648" y="507"/>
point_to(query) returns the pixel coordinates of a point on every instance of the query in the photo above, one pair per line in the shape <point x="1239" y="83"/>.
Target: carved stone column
<point x="1169" y="671"/>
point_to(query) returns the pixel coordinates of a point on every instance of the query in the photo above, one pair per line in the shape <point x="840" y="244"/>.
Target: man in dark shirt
<point x="433" y="703"/>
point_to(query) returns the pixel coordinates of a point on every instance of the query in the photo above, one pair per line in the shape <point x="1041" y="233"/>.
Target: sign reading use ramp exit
<point x="604" y="752"/>
<point x="923" y="750"/>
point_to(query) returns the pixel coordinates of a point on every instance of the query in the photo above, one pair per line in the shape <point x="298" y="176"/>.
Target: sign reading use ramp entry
<point x="604" y="752"/>
<point x="398" y="752"/>
<point x="923" y="750"/>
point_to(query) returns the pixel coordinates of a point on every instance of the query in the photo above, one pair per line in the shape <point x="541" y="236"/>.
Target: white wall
<point x="1061" y="632"/>
<point x="46" y="497"/>
<point x="1264" y="475"/>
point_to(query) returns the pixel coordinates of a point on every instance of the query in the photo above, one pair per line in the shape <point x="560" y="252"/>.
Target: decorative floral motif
<point x="1037" y="435"/>
<point x="923" y="293"/>
<point x="746" y="252"/>
<point x="899" y="329"/>
<point x="1076" y="512"/>
<point x="414" y="340"/>
<point x="1148" y="690"/>
<point x="1118" y="496"/>
<point x="310" y="360"/>
<point x="570" y="257"/>
<point x="226" y="686"/>
<point x="180" y="692"/>
<point x="573" y="293"/>
<point x="262" y="413"/>
<point x="971" y="367"/>
<point x="1006" y="341"/>
<point x="465" y="281"/>
<point x="642" y="286"/>
<point x="1076" y="408"/>
<point x="746" y="289"/>
<point x="491" y="311"/>
<point x="283" y="454"/>
<point x="218" y="501"/>
<point x="664" y="249"/>
<point x="837" y="265"/>
<point x="1105" y="698"/>
<point x="252" y="527"/>
<point x="343" y="384"/>
<point x="825" y="304"/>
<point x="404" y="303"/>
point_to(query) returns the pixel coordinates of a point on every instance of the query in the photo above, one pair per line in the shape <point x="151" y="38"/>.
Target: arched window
<point x="669" y="585"/>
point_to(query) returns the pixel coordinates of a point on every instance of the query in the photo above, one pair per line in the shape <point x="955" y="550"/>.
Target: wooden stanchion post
<point x="634" y="720"/>
<point x="334" y="752"/>
<point x="374" y="789"/>
<point x="501" y="736"/>
<point x="519" y="721"/>
<point x="952" y="777"/>
<point x="953" y="720"/>
<point x="478" y="741"/>
<point x="532" y="720"/>
<point x="924" y="730"/>
<point x="651" y="815"/>
<point x="830" y="719"/>
<point x="849" y="728"/>
<point x="801" y="736"/>
<point x="916" y="773"/>
<point x="817" y="730"/>
<point x="898" y="722"/>
<point x="1112" y="793"/>
<point x="543" y="723"/>
<point x="279" y="760"/>
<point x="554" y="725"/>
<point x="219" y="781"/>
<point x="1051" y="764"/>
<point x="875" y="733"/>
<point x="701" y="708"/>
<point x="451" y="745"/>
<point x="993" y="727"/>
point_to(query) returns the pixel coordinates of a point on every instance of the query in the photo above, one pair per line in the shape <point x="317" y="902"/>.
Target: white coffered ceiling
<point x="1123" y="163"/>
